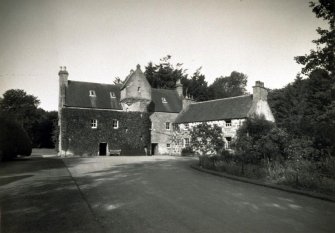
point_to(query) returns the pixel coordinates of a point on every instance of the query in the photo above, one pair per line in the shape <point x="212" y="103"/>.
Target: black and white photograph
<point x="167" y="116"/>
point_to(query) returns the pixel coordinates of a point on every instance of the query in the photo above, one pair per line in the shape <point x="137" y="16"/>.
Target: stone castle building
<point x="135" y="119"/>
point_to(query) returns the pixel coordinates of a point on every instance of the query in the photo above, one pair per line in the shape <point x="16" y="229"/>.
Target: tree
<point x="196" y="87"/>
<point x="43" y="129"/>
<point x="117" y="81"/>
<point x="306" y="108"/>
<point x="164" y="75"/>
<point x="206" y="139"/>
<point x="229" y="86"/>
<point x="324" y="55"/>
<point x="23" y="107"/>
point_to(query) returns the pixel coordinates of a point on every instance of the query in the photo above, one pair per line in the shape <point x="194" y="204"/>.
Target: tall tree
<point x="229" y="86"/>
<point x="324" y="55"/>
<point x="196" y="87"/>
<point x="22" y="107"/>
<point x="164" y="75"/>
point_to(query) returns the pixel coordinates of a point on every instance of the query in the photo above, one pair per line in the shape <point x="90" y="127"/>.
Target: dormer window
<point x="112" y="94"/>
<point x="92" y="93"/>
<point x="164" y="100"/>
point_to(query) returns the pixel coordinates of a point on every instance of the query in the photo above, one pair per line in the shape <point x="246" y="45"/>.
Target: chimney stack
<point x="259" y="91"/>
<point x="179" y="88"/>
<point x="63" y="83"/>
<point x="63" y="75"/>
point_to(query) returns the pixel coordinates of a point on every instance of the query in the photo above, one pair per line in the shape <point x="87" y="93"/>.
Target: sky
<point x="98" y="40"/>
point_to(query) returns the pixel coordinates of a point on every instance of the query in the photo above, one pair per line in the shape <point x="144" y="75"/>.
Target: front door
<point x="103" y="149"/>
<point x="154" y="148"/>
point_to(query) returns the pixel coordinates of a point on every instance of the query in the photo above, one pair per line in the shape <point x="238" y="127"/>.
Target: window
<point x="187" y="142"/>
<point x="164" y="100"/>
<point x="228" y="123"/>
<point x="115" y="124"/>
<point x="92" y="93"/>
<point x="175" y="127"/>
<point x="168" y="145"/>
<point x="94" y="124"/>
<point x="228" y="142"/>
<point x="112" y="94"/>
<point x="187" y="126"/>
<point x="139" y="89"/>
<point x="167" y="125"/>
<point x="151" y="126"/>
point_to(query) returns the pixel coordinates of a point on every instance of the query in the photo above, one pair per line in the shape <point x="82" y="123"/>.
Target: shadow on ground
<point x="39" y="195"/>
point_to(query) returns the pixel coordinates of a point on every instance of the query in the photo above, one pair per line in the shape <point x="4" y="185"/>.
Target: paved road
<point x="147" y="194"/>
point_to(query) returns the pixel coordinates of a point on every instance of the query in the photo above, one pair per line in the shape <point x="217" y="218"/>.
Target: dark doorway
<point x="154" y="148"/>
<point x="102" y="149"/>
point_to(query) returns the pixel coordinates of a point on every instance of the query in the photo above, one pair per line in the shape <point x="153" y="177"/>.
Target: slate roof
<point x="220" y="109"/>
<point x="77" y="95"/>
<point x="173" y="102"/>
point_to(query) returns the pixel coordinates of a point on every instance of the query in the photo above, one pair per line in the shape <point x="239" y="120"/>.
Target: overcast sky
<point x="100" y="39"/>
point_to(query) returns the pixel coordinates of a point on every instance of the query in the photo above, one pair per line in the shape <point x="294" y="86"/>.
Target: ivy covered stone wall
<point x="78" y="138"/>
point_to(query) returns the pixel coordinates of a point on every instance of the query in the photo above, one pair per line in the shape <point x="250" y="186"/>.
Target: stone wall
<point x="159" y="133"/>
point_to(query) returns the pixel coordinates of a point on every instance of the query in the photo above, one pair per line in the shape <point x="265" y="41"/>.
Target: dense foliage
<point x="324" y="55"/>
<point x="206" y="139"/>
<point x="229" y="86"/>
<point x="13" y="139"/>
<point x="23" y="108"/>
<point x="132" y="135"/>
<point x="165" y="75"/>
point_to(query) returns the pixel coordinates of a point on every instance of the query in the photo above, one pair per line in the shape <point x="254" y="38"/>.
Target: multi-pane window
<point x="94" y="124"/>
<point x="228" y="123"/>
<point x="164" y="100"/>
<point x="167" y="125"/>
<point x="92" y="93"/>
<point x="228" y="143"/>
<point x="115" y="124"/>
<point x="186" y="142"/>
<point x="112" y="94"/>
<point x="168" y="145"/>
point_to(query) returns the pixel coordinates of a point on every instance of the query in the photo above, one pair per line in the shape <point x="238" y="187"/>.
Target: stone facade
<point x="162" y="132"/>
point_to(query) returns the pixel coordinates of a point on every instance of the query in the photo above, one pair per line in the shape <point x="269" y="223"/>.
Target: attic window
<point x="228" y="123"/>
<point x="164" y="100"/>
<point x="92" y="93"/>
<point x="112" y="94"/>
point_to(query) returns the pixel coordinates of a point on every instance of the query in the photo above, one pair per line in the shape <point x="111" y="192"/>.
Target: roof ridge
<point x="94" y="83"/>
<point x="233" y="97"/>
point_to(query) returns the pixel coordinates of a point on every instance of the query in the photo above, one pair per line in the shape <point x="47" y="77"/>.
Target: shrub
<point x="13" y="139"/>
<point x="187" y="151"/>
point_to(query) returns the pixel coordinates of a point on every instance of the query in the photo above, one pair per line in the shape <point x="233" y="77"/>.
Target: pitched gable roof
<point x="220" y="109"/>
<point x="137" y="74"/>
<point x="77" y="95"/>
<point x="173" y="102"/>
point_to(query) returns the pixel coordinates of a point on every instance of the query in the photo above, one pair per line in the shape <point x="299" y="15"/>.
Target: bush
<point x="187" y="151"/>
<point x="14" y="140"/>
